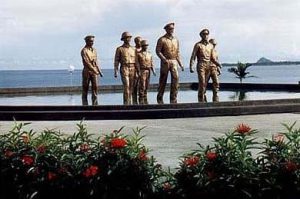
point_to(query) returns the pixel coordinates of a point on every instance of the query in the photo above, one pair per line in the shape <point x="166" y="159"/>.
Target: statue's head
<point x="137" y="41"/>
<point x="213" y="42"/>
<point x="144" y="44"/>
<point x="126" y="37"/>
<point x="170" y="28"/>
<point x="89" y="40"/>
<point x="204" y="34"/>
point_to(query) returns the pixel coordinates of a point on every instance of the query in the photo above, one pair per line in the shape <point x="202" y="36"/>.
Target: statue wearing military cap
<point x="91" y="70"/>
<point x="204" y="32"/>
<point x="167" y="49"/>
<point x="144" y="65"/>
<point x="138" y="48"/>
<point x="204" y="52"/>
<point x="125" y="56"/>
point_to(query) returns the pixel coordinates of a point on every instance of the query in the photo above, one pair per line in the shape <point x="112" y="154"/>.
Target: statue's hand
<point x="219" y="72"/>
<point x="165" y="61"/>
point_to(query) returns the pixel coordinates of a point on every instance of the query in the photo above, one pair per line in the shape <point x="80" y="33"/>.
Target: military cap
<point x="213" y="41"/>
<point x="89" y="37"/>
<point x="144" y="43"/>
<point x="169" y="25"/>
<point x="125" y="35"/>
<point x="204" y="31"/>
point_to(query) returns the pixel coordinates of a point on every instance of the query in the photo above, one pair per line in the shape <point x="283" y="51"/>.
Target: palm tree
<point x="240" y="71"/>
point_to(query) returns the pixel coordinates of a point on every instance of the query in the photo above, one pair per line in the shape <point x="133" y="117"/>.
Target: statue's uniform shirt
<point x="168" y="48"/>
<point x="125" y="55"/>
<point x="89" y="59"/>
<point x="144" y="60"/>
<point x="203" y="52"/>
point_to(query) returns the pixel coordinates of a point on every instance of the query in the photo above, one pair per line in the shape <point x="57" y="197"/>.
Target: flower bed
<point x="53" y="165"/>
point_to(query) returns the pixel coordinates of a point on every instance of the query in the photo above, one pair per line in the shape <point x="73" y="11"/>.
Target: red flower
<point x="278" y="138"/>
<point x="243" y="129"/>
<point x="291" y="166"/>
<point x="27" y="160"/>
<point x="143" y="155"/>
<point x="211" y="156"/>
<point x="51" y="176"/>
<point x="84" y="147"/>
<point x="191" y="161"/>
<point x="118" y="143"/>
<point x="41" y="148"/>
<point x="8" y="153"/>
<point x="91" y="171"/>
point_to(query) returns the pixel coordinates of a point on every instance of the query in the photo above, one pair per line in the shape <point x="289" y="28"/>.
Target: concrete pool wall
<point x="153" y="87"/>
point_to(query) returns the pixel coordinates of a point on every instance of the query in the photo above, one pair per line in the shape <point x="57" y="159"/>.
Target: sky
<point x="48" y="34"/>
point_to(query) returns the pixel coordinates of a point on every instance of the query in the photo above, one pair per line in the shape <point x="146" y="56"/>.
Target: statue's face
<point x="137" y="41"/>
<point x="205" y="37"/>
<point x="127" y="40"/>
<point x="90" y="42"/>
<point x="170" y="30"/>
<point x="144" y="48"/>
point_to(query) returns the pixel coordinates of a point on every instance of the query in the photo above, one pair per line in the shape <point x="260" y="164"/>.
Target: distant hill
<point x="264" y="60"/>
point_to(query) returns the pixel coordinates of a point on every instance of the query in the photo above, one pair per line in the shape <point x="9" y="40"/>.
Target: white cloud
<point x="244" y="29"/>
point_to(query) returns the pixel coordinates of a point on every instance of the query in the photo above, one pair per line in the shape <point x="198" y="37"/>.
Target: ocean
<point x="279" y="74"/>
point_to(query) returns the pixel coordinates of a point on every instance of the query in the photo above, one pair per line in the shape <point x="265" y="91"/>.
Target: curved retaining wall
<point x="183" y="86"/>
<point x="121" y="112"/>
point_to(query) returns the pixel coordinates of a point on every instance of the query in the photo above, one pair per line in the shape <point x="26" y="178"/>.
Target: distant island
<point x="266" y="62"/>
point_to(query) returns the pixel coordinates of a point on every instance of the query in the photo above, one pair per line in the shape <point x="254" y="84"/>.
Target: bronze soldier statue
<point x="203" y="50"/>
<point x="167" y="49"/>
<point x="213" y="72"/>
<point x="91" y="70"/>
<point x="126" y="56"/>
<point x="144" y="65"/>
<point x="138" y="48"/>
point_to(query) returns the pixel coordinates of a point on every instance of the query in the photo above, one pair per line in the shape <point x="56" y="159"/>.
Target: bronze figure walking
<point x="138" y="48"/>
<point x="204" y="53"/>
<point x="126" y="57"/>
<point x="144" y="65"/>
<point x="167" y="49"/>
<point x="91" y="70"/>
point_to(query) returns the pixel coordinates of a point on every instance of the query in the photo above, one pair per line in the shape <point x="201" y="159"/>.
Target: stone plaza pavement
<point x="168" y="139"/>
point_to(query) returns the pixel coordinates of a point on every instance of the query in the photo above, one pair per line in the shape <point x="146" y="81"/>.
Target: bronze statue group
<point x="136" y="65"/>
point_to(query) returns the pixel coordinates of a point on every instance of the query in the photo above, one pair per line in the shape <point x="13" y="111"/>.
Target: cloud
<point x="245" y="29"/>
<point x="54" y="29"/>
